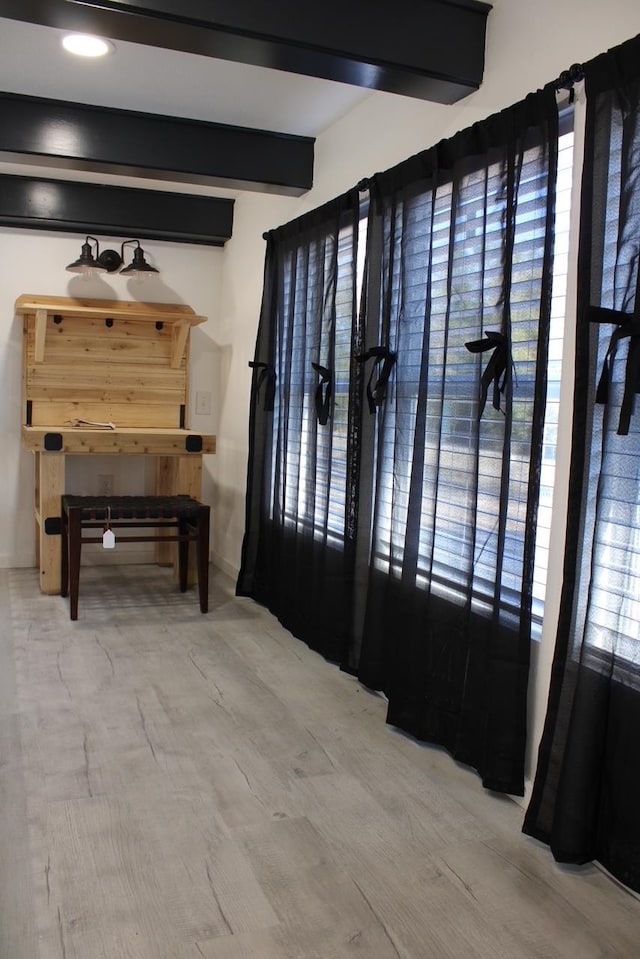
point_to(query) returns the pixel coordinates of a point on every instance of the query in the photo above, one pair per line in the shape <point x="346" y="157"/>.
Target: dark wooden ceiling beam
<point x="78" y="136"/>
<point x="72" y="207"/>
<point x="431" y="49"/>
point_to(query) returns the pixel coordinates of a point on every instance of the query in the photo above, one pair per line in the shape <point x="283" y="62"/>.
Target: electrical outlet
<point x="105" y="484"/>
<point x="203" y="403"/>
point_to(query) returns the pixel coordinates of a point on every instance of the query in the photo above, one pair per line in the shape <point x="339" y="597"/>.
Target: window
<point x="317" y="300"/>
<point x="315" y="494"/>
<point x="550" y="440"/>
<point x="460" y="241"/>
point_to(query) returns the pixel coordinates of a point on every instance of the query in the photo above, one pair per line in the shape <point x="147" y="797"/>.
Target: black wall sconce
<point x="138" y="266"/>
<point x="110" y="261"/>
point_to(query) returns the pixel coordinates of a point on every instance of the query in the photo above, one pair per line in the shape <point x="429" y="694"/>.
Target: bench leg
<point x="75" y="547"/>
<point x="183" y="555"/>
<point x="202" y="547"/>
<point x="64" y="555"/>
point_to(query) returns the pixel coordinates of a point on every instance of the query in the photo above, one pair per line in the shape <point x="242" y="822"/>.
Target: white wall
<point x="528" y="45"/>
<point x="34" y="262"/>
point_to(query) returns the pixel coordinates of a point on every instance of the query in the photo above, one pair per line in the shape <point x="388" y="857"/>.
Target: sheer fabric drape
<point x="298" y="545"/>
<point x="587" y="790"/>
<point x="459" y="288"/>
<point x="398" y="539"/>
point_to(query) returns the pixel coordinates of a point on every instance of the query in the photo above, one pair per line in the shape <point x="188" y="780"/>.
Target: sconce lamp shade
<point x="138" y="266"/>
<point x="87" y="262"/>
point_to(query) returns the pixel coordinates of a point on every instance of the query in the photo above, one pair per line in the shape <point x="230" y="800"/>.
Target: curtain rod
<point x="566" y="81"/>
<point x="569" y="77"/>
<point x="361" y="186"/>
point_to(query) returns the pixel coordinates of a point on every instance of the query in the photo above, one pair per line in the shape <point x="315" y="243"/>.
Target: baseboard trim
<point x="221" y="563"/>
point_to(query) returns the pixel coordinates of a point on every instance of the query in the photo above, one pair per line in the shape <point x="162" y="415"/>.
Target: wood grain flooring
<point x="179" y="786"/>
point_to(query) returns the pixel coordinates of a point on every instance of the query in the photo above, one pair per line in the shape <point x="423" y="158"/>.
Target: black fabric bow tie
<point x="496" y="369"/>
<point x="377" y="393"/>
<point x="628" y="325"/>
<point x="324" y="392"/>
<point x="266" y="375"/>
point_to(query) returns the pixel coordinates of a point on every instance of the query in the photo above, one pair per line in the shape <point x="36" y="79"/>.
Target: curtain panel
<point x="586" y="793"/>
<point x="297" y="556"/>
<point x="391" y="524"/>
<point x="460" y="256"/>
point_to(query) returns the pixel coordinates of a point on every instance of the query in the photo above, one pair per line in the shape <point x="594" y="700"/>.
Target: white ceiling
<point x="135" y="77"/>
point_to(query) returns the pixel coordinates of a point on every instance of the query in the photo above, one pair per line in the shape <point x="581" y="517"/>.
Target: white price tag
<point x="108" y="539"/>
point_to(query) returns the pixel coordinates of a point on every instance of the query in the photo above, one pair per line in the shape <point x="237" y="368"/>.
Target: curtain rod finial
<point x="569" y="77"/>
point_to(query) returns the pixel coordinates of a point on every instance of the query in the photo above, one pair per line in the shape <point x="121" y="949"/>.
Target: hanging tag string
<point x="108" y="536"/>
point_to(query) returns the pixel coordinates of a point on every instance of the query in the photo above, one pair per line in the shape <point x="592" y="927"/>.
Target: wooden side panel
<point x="178" y="475"/>
<point x="166" y="553"/>
<point x="36" y="507"/>
<point x="51" y="486"/>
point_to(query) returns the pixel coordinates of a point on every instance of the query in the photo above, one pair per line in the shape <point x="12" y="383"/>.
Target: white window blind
<point x="315" y="326"/>
<point x="558" y="312"/>
<point x="313" y="489"/>
<point x="463" y="239"/>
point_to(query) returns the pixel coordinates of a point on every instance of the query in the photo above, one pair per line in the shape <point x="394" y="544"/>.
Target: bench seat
<point x="151" y="515"/>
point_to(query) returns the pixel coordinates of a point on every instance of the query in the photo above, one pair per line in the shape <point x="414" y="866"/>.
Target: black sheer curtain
<point x="395" y="450"/>
<point x="586" y="798"/>
<point x="297" y="556"/>
<point x="460" y="247"/>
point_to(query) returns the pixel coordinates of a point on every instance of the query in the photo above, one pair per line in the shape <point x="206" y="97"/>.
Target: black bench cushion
<point x="133" y="507"/>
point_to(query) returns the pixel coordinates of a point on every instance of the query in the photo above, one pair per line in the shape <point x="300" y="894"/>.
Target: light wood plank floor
<point x="179" y="786"/>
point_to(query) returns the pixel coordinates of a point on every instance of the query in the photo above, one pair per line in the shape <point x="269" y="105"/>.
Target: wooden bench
<point x="153" y="514"/>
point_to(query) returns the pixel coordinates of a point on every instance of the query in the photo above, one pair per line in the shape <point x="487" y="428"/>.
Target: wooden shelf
<point x="152" y="442"/>
<point x="179" y="317"/>
<point x="118" y="309"/>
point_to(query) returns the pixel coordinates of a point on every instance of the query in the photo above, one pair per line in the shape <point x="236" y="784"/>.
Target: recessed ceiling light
<point x="84" y="45"/>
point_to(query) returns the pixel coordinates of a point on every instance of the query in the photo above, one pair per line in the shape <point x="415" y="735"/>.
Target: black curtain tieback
<point x="324" y="391"/>
<point x="628" y="325"/>
<point x="377" y="393"/>
<point x="266" y="375"/>
<point x="496" y="369"/>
